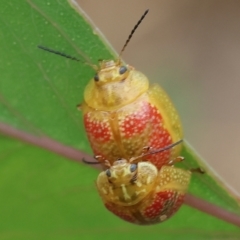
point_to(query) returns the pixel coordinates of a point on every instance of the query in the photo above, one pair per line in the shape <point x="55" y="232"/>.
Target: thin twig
<point x="212" y="209"/>
<point x="46" y="143"/>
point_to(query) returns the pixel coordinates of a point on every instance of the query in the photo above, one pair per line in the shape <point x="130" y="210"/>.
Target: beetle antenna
<point x="157" y="151"/>
<point x="87" y="162"/>
<point x="132" y="32"/>
<point x="146" y="154"/>
<point x="164" y="148"/>
<point x="58" y="53"/>
<point x="99" y="158"/>
<point x="66" y="56"/>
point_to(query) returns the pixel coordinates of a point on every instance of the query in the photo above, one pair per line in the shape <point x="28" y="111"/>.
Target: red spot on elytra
<point x="140" y="128"/>
<point x="120" y="213"/>
<point x="148" y="117"/>
<point x="164" y="203"/>
<point x="96" y="129"/>
<point x="137" y="122"/>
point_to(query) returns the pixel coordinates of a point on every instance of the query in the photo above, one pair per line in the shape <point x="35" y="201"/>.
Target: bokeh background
<point x="191" y="48"/>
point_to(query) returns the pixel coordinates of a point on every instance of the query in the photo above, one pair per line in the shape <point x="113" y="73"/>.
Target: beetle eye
<point x="122" y="69"/>
<point x="108" y="173"/>
<point x="96" y="78"/>
<point x="133" y="167"/>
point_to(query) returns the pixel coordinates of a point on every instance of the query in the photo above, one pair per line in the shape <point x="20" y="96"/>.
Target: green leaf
<point x="46" y="196"/>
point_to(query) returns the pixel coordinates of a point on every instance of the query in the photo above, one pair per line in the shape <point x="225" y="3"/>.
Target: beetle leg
<point x="146" y="150"/>
<point x="176" y="160"/>
<point x="79" y="107"/>
<point x="197" y="170"/>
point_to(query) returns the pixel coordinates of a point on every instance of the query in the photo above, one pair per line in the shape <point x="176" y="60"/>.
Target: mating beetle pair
<point x="135" y="133"/>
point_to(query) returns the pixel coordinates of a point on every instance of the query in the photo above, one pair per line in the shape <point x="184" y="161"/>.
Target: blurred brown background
<point x="191" y="48"/>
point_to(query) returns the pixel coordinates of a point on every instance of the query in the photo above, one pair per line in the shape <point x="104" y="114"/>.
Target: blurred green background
<point x="192" y="48"/>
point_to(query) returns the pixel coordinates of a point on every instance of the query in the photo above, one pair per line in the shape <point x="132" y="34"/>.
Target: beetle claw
<point x="79" y="107"/>
<point x="146" y="150"/>
<point x="176" y="160"/>
<point x="197" y="170"/>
